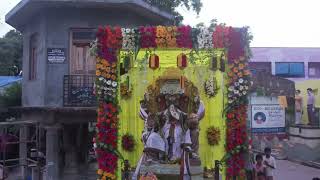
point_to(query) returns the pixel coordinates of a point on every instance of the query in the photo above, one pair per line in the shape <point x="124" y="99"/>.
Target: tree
<point x="171" y="6"/>
<point x="11" y="97"/>
<point x="11" y="53"/>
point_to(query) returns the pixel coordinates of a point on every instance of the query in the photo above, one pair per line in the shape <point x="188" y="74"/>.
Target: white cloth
<point x="298" y="117"/>
<point x="179" y="138"/>
<point x="271" y="161"/>
<point x="155" y="141"/>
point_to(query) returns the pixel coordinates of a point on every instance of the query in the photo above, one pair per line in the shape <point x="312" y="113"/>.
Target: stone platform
<point x="302" y="134"/>
<point x="304" y="143"/>
<point x="171" y="171"/>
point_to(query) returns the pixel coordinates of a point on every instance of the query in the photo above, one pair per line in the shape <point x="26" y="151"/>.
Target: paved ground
<point x="287" y="170"/>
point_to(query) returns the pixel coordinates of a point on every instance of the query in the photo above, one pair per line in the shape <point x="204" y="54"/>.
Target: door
<point x="82" y="69"/>
<point x="81" y="61"/>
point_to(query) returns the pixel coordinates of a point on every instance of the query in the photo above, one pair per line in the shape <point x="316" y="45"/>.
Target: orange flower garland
<point x="166" y="36"/>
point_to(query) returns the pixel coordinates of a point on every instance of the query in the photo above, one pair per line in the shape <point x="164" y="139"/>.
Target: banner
<point x="268" y="119"/>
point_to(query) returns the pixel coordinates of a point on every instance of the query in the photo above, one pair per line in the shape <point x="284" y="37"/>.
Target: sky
<point x="273" y="23"/>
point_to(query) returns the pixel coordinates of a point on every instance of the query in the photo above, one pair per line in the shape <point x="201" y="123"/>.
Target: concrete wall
<point x="53" y="26"/>
<point x="33" y="91"/>
<point x="273" y="55"/>
<point x="305" y="55"/>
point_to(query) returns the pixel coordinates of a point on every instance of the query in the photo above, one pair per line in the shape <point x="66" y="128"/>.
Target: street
<point x="287" y="170"/>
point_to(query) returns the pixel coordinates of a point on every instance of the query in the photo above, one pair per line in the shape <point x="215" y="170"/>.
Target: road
<point x="287" y="170"/>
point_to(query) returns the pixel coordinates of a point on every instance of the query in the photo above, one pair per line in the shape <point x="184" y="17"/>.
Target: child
<point x="259" y="168"/>
<point x="270" y="163"/>
<point x="261" y="176"/>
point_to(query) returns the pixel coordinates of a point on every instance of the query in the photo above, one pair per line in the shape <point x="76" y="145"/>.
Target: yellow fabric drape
<point x="130" y="121"/>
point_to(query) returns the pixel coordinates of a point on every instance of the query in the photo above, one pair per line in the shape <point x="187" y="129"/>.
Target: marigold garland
<point x="166" y="36"/>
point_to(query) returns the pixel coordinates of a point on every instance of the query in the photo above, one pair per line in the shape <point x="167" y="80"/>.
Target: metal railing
<point x="78" y="91"/>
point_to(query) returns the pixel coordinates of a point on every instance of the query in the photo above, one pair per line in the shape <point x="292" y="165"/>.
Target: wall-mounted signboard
<point x="268" y="119"/>
<point x="56" y="55"/>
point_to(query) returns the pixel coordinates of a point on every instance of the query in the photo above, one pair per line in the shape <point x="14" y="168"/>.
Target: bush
<point x="11" y="96"/>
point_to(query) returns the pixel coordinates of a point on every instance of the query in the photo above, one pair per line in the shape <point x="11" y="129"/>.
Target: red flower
<point x="184" y="39"/>
<point x="147" y="37"/>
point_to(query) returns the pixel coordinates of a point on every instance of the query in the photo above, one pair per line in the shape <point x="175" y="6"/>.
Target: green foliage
<point x="10" y="53"/>
<point x="11" y="96"/>
<point x="172" y="5"/>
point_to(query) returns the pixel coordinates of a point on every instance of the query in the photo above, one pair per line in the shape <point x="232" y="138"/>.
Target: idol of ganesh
<point x="178" y="130"/>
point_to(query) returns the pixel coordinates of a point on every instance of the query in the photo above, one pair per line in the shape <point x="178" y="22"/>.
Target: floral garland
<point x="213" y="135"/>
<point x="236" y="141"/>
<point x="220" y="36"/>
<point x="166" y="36"/>
<point x="128" y="142"/>
<point x="109" y="42"/>
<point x="205" y="39"/>
<point x="239" y="80"/>
<point x="106" y="87"/>
<point x="147" y="37"/>
<point x="129" y="38"/>
<point x="236" y="111"/>
<point x="211" y="87"/>
<point x="184" y="39"/>
<point x="106" y="83"/>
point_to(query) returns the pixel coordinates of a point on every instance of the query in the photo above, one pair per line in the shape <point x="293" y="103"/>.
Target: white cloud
<point x="291" y="23"/>
<point x="5" y="7"/>
<point x="274" y="23"/>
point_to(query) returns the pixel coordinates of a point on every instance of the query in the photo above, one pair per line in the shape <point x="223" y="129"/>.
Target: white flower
<point x="240" y="80"/>
<point x="244" y="92"/>
<point x="100" y="78"/>
<point x="230" y="101"/>
<point x="109" y="82"/>
<point x="114" y="84"/>
<point x="205" y="39"/>
<point x="236" y="84"/>
<point x="246" y="87"/>
<point x="236" y="91"/>
<point x="231" y="88"/>
<point x="241" y="88"/>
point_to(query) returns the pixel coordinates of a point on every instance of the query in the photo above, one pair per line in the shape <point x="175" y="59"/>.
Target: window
<point x="260" y="67"/>
<point x="33" y="57"/>
<point x="295" y="69"/>
<point x="314" y="69"/>
<point x="81" y="61"/>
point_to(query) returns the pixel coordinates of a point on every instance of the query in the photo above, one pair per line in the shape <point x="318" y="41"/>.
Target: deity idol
<point x="178" y="130"/>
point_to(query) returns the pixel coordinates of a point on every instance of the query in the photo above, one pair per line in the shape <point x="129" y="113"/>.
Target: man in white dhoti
<point x="175" y="135"/>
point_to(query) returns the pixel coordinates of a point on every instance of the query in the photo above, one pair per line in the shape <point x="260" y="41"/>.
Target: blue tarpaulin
<point x="6" y="80"/>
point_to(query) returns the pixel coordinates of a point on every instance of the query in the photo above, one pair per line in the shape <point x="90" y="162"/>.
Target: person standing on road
<point x="259" y="168"/>
<point x="270" y="163"/>
<point x="310" y="106"/>
<point x="299" y="107"/>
